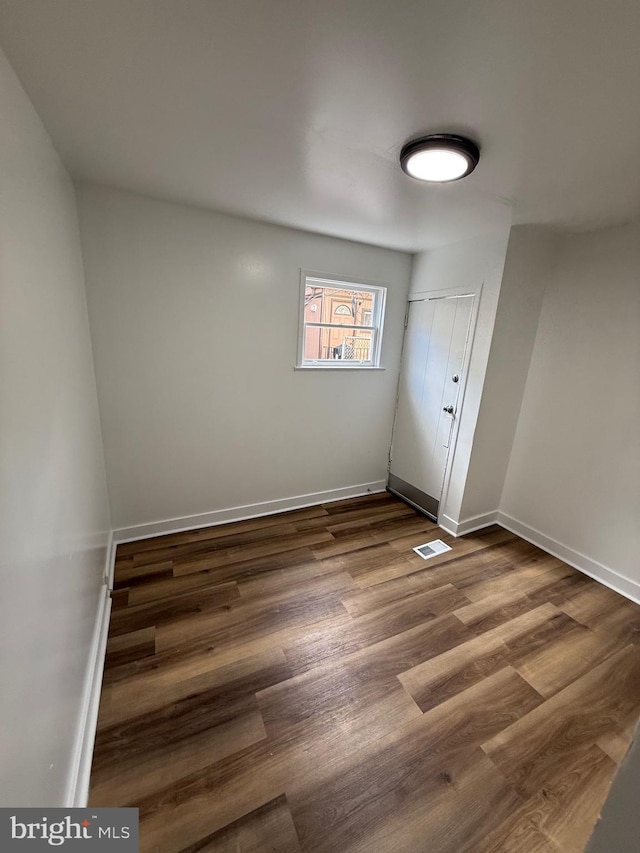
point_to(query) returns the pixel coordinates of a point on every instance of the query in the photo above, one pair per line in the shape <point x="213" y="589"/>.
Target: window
<point x="340" y="322"/>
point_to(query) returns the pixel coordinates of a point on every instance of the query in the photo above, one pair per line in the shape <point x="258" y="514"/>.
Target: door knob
<point x="448" y="409"/>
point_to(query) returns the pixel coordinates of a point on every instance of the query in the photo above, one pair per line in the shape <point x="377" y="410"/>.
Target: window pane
<point x="348" y="344"/>
<point x="341" y="322"/>
<point x="323" y="304"/>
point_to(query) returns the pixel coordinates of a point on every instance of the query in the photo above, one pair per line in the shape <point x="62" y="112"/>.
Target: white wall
<point x="194" y="319"/>
<point x="468" y="264"/>
<point x="530" y="257"/>
<point x="574" y="472"/>
<point x="53" y="510"/>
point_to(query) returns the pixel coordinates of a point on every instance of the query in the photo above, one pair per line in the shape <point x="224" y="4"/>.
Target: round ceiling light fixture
<point x="440" y="157"/>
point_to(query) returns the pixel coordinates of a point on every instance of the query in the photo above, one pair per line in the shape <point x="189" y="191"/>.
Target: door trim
<point x="445" y="293"/>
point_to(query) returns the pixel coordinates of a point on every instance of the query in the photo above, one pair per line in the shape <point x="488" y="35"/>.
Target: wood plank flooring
<point x="306" y="682"/>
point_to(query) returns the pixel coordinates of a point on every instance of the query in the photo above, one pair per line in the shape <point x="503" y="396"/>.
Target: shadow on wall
<point x="618" y="830"/>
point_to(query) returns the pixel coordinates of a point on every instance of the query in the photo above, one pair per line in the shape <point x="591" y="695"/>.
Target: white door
<point x="430" y="382"/>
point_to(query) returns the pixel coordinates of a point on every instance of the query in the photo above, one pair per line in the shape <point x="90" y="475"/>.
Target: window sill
<point x="336" y="368"/>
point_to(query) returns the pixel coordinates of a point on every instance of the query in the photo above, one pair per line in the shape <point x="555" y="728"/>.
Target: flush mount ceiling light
<point x="440" y="157"/>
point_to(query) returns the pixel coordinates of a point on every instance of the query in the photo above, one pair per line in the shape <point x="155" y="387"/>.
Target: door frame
<point x="444" y="293"/>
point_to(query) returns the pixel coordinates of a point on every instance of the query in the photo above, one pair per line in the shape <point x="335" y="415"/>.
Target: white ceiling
<point x="294" y="111"/>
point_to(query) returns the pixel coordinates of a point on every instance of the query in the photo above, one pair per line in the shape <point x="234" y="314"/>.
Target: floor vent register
<point x="432" y="549"/>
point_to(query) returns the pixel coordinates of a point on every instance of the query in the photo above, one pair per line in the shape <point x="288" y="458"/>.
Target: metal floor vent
<point x="432" y="549"/>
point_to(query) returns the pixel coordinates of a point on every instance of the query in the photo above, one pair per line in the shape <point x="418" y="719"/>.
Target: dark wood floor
<point x="305" y="682"/>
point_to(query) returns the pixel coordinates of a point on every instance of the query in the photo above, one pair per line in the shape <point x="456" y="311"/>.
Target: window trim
<point x="376" y="327"/>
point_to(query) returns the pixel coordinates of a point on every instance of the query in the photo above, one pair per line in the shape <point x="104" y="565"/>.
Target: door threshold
<point x="413" y="496"/>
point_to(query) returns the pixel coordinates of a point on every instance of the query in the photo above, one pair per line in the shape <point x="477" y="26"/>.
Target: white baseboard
<point x="448" y="524"/>
<point x="78" y="787"/>
<point x="619" y="583"/>
<point x="110" y="566"/>
<point x="241" y="513"/>
<point x="469" y="525"/>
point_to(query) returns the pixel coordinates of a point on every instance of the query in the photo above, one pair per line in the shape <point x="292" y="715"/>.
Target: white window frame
<point x="376" y="328"/>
